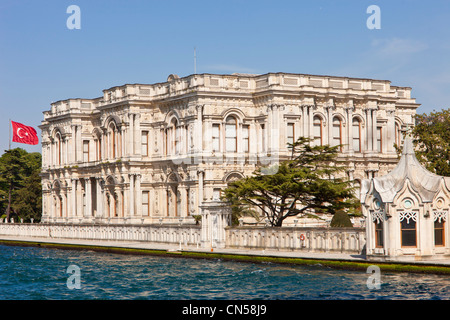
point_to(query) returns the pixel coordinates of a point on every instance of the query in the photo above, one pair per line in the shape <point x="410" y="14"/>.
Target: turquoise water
<point x="38" y="273"/>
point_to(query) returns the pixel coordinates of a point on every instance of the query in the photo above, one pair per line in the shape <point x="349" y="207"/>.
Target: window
<point x="263" y="137"/>
<point x="439" y="232"/>
<point x="144" y="143"/>
<point x="216" y="137"/>
<point x="177" y="142"/>
<point x="317" y="130"/>
<point x="98" y="149"/>
<point x="85" y="150"/>
<point x="379" y="139"/>
<point x="337" y="132"/>
<point x="246" y="138"/>
<point x="112" y="140"/>
<point x="58" y="148"/>
<point x="408" y="231"/>
<point x="231" y="134"/>
<point x="379" y="233"/>
<point x="290" y="133"/>
<point x="216" y="194"/>
<point x="356" y="133"/>
<point x="398" y="135"/>
<point x="145" y="203"/>
<point x="172" y="138"/>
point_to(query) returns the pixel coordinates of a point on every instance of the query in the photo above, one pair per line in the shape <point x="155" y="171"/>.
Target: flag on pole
<point x="24" y="134"/>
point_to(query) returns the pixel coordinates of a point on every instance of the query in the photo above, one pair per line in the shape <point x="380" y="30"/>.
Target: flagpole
<point x="9" y="134"/>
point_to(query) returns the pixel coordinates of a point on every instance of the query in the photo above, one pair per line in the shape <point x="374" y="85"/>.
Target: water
<point x="38" y="273"/>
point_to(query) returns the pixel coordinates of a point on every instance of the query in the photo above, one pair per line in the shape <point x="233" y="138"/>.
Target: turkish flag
<point x="24" y="134"/>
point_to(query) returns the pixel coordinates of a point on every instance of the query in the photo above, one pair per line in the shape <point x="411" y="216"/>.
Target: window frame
<point x="231" y="138"/>
<point x="358" y="121"/>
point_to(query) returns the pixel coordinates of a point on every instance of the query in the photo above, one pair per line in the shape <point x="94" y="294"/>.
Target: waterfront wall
<point x="171" y="234"/>
<point x="321" y="239"/>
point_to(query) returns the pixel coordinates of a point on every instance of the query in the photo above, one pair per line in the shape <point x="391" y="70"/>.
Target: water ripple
<point x="39" y="273"/>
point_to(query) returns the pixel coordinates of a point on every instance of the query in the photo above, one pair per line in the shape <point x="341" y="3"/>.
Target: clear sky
<point x="137" y="41"/>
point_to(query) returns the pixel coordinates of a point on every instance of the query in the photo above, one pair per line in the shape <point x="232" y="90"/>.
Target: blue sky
<point x="138" y="41"/>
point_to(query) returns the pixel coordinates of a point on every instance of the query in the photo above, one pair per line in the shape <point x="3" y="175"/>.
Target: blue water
<point x="38" y="273"/>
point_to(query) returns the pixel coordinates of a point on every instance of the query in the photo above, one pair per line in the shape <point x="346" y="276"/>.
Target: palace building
<point x="156" y="153"/>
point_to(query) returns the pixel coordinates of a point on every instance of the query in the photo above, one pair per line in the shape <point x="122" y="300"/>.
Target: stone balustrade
<point x="319" y="239"/>
<point x="342" y="240"/>
<point x="187" y="235"/>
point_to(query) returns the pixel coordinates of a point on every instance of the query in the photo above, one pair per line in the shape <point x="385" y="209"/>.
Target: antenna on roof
<point x="195" y="61"/>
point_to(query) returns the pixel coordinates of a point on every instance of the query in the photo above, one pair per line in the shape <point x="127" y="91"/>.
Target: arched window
<point x="356" y="133"/>
<point x="112" y="139"/>
<point x="173" y="138"/>
<point x="317" y="130"/>
<point x="231" y="134"/>
<point x="58" y="147"/>
<point x="337" y="132"/>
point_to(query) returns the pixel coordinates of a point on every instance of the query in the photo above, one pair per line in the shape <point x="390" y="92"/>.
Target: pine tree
<point x="305" y="183"/>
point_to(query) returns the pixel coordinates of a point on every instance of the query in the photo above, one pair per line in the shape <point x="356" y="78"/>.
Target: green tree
<point x="20" y="185"/>
<point x="304" y="183"/>
<point x="431" y="136"/>
<point x="341" y="219"/>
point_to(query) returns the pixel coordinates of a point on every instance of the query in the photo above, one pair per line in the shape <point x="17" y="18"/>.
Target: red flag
<point x="24" y="134"/>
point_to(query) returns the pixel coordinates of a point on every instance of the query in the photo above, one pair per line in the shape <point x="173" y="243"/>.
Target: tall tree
<point x="431" y="136"/>
<point x="307" y="182"/>
<point x="20" y="186"/>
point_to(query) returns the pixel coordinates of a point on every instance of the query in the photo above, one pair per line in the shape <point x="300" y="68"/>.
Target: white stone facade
<point x="150" y="154"/>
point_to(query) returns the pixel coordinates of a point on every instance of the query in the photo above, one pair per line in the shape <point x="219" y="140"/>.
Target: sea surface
<point x="33" y="273"/>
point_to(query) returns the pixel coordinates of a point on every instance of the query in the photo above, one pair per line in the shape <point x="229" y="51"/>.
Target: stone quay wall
<point x="309" y="239"/>
<point x="168" y="234"/>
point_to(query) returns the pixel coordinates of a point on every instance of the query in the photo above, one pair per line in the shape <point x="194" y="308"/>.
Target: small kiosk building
<point x="407" y="212"/>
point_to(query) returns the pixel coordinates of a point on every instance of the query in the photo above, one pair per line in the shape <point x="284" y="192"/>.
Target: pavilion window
<point x="439" y="227"/>
<point x="379" y="233"/>
<point x="408" y="229"/>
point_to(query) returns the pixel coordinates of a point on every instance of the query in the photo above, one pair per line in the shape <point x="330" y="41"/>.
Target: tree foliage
<point x="20" y="184"/>
<point x="340" y="220"/>
<point x="305" y="183"/>
<point x="431" y="136"/>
